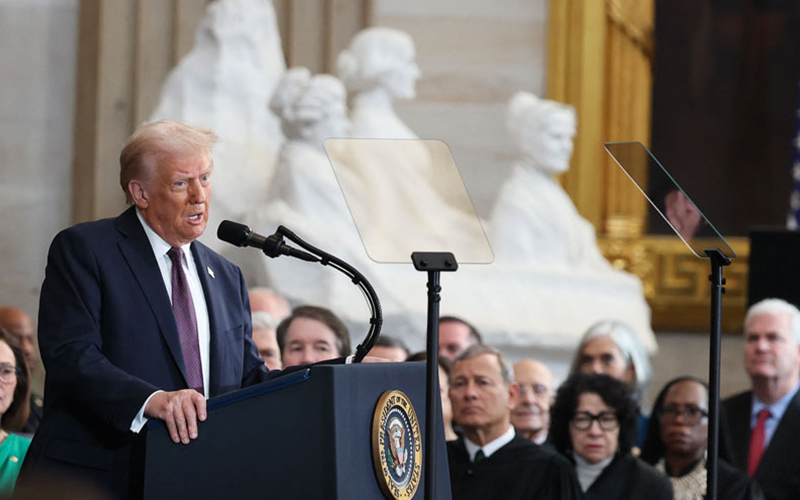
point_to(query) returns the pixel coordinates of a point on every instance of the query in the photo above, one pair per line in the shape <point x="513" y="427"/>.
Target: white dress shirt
<point x="160" y="249"/>
<point x="490" y="447"/>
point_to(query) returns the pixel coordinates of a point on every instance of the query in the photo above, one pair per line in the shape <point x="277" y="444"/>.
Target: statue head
<point x="311" y="108"/>
<point x="380" y="57"/>
<point x="543" y="130"/>
<point x="242" y="25"/>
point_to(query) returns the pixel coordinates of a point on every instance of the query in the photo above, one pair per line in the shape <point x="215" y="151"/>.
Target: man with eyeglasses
<point x="531" y="415"/>
<point x="764" y="423"/>
<point x="490" y="460"/>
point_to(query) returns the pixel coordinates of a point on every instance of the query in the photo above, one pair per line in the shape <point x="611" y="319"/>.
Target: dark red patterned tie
<point x="757" y="437"/>
<point x="183" y="309"/>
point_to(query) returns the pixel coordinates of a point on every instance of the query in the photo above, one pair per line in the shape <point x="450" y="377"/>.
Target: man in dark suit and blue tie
<point x="764" y="423"/>
<point x="137" y="320"/>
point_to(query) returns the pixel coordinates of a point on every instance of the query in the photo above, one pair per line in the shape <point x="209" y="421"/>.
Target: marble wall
<point x="37" y="74"/>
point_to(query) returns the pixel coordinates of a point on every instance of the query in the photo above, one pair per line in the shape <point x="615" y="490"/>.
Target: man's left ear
<point x="138" y="193"/>
<point x="513" y="395"/>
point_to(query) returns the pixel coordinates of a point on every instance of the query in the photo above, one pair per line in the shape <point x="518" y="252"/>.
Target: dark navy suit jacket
<point x="108" y="340"/>
<point x="778" y="473"/>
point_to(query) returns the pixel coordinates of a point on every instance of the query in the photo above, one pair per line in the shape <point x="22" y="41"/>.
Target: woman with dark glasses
<point x="593" y="423"/>
<point x="677" y="440"/>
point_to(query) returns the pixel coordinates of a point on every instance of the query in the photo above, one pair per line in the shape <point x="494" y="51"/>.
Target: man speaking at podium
<point x="137" y="320"/>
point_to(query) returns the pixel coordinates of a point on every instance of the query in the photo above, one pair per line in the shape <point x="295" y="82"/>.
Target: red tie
<point x="185" y="318"/>
<point x="757" y="442"/>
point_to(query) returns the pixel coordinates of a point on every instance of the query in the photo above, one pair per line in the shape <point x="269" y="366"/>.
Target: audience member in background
<point x="389" y="348"/>
<point x="613" y="348"/>
<point x="764" y="423"/>
<point x="593" y="423"/>
<point x="444" y="393"/>
<point x="14" y="394"/>
<point x="266" y="339"/>
<point x="312" y="334"/>
<point x="677" y="440"/>
<point x="455" y="335"/>
<point x="19" y="325"/>
<point x="490" y="460"/>
<point x="265" y="300"/>
<point x="531" y="416"/>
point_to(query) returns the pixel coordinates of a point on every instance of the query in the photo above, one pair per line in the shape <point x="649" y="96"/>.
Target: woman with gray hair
<point x="613" y="348"/>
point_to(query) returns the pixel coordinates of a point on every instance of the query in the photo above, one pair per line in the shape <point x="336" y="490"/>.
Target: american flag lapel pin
<point x="210" y="272"/>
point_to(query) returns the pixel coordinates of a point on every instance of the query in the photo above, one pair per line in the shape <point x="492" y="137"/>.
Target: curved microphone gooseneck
<point x="273" y="246"/>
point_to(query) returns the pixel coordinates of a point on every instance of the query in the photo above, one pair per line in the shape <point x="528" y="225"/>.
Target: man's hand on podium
<point x="180" y="410"/>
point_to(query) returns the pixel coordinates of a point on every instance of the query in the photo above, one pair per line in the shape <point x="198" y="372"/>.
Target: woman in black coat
<point x="593" y="423"/>
<point x="677" y="439"/>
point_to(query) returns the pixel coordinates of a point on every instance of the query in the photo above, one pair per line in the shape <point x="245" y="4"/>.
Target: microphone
<point x="273" y="246"/>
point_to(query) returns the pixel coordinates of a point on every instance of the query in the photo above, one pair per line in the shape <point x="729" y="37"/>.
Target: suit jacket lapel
<point x="199" y="252"/>
<point x="138" y="253"/>
<point x="739" y="425"/>
<point x="775" y="451"/>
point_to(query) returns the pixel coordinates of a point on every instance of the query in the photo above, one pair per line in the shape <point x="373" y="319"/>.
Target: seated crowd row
<point x="512" y="434"/>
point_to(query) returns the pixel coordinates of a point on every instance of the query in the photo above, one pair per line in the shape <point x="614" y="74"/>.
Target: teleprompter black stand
<point x="686" y="220"/>
<point x="434" y="263"/>
<point x="718" y="261"/>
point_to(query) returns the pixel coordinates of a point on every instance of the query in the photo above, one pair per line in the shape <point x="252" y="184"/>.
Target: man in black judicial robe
<point x="490" y="461"/>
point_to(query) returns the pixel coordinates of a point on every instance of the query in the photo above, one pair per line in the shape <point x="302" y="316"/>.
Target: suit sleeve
<point x="71" y="336"/>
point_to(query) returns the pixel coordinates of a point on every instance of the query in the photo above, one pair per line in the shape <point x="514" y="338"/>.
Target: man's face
<point x="771" y="351"/>
<point x="532" y="412"/>
<point x="393" y="354"/>
<point x="454" y="338"/>
<point x="268" y="349"/>
<point x="308" y="341"/>
<point x="19" y="324"/>
<point x="479" y="397"/>
<point x="174" y="198"/>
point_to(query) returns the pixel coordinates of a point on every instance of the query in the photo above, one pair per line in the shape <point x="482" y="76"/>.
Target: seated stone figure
<point x="534" y="219"/>
<point x="224" y="83"/>
<point x="304" y="196"/>
<point x="377" y="68"/>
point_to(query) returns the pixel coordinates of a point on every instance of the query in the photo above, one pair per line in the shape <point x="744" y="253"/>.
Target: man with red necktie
<point x="765" y="423"/>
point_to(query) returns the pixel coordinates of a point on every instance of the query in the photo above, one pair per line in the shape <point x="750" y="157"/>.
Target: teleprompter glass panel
<point x="669" y="200"/>
<point x="407" y="196"/>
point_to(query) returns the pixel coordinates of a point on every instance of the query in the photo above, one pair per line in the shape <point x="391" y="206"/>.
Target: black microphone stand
<point x="434" y="263"/>
<point x="718" y="261"/>
<point x="326" y="259"/>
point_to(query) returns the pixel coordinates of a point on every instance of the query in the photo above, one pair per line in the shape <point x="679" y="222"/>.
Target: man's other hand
<point x="180" y="410"/>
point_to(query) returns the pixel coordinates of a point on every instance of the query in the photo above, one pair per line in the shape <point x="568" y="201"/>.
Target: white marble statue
<point x="377" y="68"/>
<point x="304" y="196"/>
<point x="224" y="83"/>
<point x="548" y="268"/>
<point x="534" y="219"/>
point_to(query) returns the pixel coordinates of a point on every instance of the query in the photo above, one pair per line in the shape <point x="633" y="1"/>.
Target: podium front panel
<point x="305" y="435"/>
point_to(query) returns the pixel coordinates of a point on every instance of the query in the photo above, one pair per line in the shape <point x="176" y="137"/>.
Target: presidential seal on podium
<point x="396" y="446"/>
